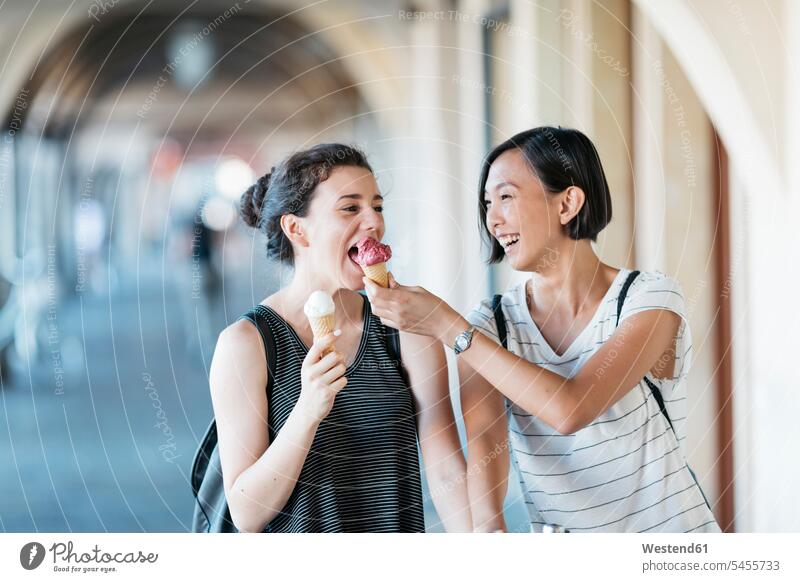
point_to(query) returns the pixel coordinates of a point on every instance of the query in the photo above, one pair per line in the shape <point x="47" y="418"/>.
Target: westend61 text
<point x="675" y="549"/>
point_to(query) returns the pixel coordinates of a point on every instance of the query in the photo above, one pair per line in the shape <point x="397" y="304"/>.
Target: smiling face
<point x="520" y="214"/>
<point x="344" y="209"/>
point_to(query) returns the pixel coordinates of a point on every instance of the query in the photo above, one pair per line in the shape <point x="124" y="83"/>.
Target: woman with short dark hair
<point x="590" y="393"/>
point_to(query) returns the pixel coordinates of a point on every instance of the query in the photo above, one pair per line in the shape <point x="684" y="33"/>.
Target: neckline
<point x="577" y="342"/>
<point x="365" y="327"/>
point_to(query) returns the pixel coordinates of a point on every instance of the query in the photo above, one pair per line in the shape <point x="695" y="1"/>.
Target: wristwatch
<point x="463" y="340"/>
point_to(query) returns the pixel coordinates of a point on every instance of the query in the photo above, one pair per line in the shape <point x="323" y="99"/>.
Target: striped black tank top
<point x="362" y="470"/>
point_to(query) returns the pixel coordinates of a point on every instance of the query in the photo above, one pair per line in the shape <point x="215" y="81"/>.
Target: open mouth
<point x="508" y="240"/>
<point x="352" y="252"/>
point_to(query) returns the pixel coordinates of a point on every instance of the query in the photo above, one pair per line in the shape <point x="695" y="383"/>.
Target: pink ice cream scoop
<point x="371" y="252"/>
<point x="371" y="255"/>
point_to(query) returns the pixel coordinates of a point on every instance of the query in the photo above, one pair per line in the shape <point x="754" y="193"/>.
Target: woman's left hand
<point x="414" y="310"/>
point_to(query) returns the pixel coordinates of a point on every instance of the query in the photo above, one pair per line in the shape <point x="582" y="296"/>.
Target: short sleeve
<point x="482" y="318"/>
<point x="655" y="290"/>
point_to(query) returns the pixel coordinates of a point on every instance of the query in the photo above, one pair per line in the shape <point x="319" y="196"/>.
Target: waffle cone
<point x="377" y="273"/>
<point x="322" y="326"/>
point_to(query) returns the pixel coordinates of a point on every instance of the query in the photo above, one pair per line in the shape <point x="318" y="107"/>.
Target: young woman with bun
<point x="332" y="447"/>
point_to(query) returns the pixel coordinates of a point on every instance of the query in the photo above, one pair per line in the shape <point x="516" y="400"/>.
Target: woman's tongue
<point x="353" y="253"/>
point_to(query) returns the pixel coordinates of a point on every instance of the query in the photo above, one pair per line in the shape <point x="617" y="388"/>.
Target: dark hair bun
<point x="253" y="202"/>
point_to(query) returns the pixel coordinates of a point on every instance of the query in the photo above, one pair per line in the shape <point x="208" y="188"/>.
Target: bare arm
<point x="638" y="346"/>
<point x="568" y="405"/>
<point x="259" y="476"/>
<point x="487" y="449"/>
<point x="441" y="450"/>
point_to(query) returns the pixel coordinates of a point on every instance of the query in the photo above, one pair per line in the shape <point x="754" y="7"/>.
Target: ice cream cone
<point x="320" y="311"/>
<point x="322" y="326"/>
<point x="377" y="273"/>
<point x="372" y="256"/>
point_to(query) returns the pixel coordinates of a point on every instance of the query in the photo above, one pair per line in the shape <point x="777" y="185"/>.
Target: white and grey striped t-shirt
<point x="626" y="471"/>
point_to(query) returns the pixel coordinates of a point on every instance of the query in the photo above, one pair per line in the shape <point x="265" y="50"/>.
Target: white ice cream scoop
<point x="320" y="311"/>
<point x="319" y="304"/>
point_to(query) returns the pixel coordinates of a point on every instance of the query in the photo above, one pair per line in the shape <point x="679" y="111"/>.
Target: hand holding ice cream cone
<point x="413" y="309"/>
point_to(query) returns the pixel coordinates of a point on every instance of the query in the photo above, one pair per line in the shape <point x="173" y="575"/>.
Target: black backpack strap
<point x="660" y="399"/>
<point x="500" y="320"/>
<point x="624" y="292"/>
<point x="393" y="342"/>
<point x="257" y="317"/>
<point x="392" y="337"/>
<point x="202" y="456"/>
<point x="653" y="388"/>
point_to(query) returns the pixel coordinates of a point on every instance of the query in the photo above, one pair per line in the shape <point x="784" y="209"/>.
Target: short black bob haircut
<point x="559" y="157"/>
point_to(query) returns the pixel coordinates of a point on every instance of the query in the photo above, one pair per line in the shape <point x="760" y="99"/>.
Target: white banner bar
<point x="356" y="557"/>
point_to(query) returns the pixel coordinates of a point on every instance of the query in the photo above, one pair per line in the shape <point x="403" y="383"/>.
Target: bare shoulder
<point x="610" y="273"/>
<point x="239" y="355"/>
<point x="239" y="334"/>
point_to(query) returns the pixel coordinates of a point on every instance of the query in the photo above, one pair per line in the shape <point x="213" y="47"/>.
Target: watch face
<point x="461" y="342"/>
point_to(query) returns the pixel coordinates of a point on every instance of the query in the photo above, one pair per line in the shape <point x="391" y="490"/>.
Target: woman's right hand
<point x="322" y="379"/>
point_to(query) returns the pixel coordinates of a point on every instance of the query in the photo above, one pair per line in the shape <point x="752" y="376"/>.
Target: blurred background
<point x="131" y="128"/>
